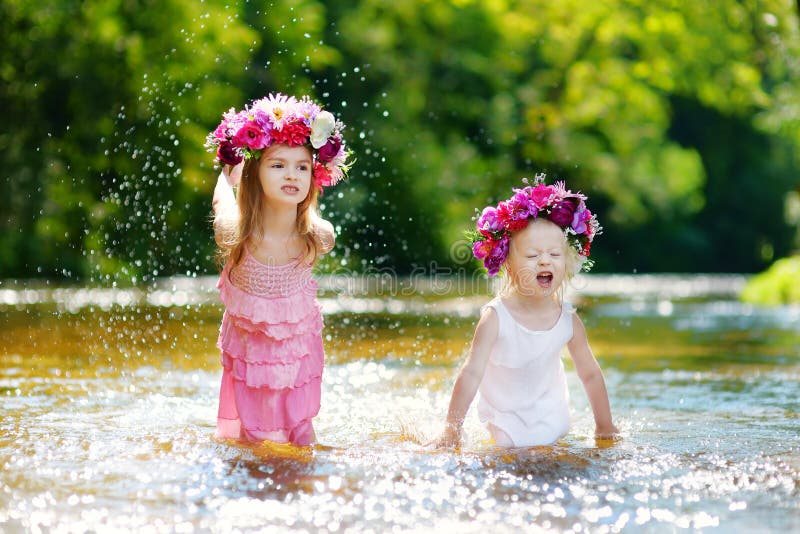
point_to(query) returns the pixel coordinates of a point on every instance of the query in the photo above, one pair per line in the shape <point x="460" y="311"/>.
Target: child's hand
<point x="607" y="432"/>
<point x="449" y="438"/>
<point x="233" y="174"/>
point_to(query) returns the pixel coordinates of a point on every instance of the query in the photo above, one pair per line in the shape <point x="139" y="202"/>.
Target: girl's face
<point x="537" y="258"/>
<point x="285" y="173"/>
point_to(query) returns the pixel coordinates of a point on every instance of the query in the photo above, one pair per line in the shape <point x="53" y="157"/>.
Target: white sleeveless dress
<point x="524" y="389"/>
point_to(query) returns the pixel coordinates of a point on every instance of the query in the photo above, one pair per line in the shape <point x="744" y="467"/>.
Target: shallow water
<point x="109" y="402"/>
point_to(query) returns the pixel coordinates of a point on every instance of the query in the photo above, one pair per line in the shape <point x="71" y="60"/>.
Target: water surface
<point x="109" y="401"/>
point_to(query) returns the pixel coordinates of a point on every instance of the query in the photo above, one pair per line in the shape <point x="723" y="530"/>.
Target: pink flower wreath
<point x="568" y="210"/>
<point x="283" y="119"/>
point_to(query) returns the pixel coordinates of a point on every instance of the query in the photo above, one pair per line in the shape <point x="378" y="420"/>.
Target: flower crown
<point x="554" y="202"/>
<point x="281" y="119"/>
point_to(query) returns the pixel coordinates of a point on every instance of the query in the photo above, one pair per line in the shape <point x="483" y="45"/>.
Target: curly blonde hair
<point x="572" y="260"/>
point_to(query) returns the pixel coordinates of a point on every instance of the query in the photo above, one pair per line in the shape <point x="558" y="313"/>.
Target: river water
<point x="109" y="401"/>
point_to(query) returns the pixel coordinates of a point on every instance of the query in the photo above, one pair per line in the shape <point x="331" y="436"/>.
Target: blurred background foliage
<point x="680" y="120"/>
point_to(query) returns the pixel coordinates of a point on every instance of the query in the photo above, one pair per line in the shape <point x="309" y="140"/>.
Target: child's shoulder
<point x="491" y="307"/>
<point x="323" y="226"/>
<point x="325" y="234"/>
<point x="488" y="327"/>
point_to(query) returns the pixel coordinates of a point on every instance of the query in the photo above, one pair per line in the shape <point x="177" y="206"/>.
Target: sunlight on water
<point x="352" y="293"/>
<point x="109" y="402"/>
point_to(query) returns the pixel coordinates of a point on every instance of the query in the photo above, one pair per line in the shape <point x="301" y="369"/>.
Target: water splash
<point x="120" y="437"/>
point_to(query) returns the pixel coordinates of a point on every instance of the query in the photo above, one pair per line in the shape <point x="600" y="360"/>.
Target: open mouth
<point x="544" y="279"/>
<point x="290" y="189"/>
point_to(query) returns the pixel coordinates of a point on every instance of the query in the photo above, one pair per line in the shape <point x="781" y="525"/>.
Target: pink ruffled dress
<point x="271" y="352"/>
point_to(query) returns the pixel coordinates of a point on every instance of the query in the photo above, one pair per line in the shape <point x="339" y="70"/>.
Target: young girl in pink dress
<point x="277" y="155"/>
<point x="540" y="237"/>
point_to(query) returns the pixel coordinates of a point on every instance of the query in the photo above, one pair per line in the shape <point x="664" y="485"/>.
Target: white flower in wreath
<point x="322" y="128"/>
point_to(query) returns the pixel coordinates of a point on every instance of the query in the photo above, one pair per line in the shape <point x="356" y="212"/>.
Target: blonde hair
<point x="252" y="209"/>
<point x="572" y="260"/>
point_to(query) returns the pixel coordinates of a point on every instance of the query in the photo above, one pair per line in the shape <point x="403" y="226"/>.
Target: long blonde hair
<point x="252" y="209"/>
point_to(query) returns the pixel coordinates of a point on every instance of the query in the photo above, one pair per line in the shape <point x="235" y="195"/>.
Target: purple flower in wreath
<point x="496" y="257"/>
<point x="263" y="119"/>
<point x="580" y="220"/>
<point x="329" y="150"/>
<point x="563" y="211"/>
<point x="488" y="221"/>
<point x="522" y="207"/>
<point x="227" y="154"/>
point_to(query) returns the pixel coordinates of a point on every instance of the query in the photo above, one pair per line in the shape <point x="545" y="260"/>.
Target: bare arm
<point x="592" y="378"/>
<point x="469" y="378"/>
<point x="325" y="233"/>
<point x="226" y="211"/>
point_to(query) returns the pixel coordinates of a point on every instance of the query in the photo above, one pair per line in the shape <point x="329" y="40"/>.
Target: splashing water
<point x="109" y="403"/>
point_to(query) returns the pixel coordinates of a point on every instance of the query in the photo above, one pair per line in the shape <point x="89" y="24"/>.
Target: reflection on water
<point x="109" y="401"/>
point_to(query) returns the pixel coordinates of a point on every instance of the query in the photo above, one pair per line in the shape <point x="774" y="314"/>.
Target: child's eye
<point x="303" y="167"/>
<point x="277" y="165"/>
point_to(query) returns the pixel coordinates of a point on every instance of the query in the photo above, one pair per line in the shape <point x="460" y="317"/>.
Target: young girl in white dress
<point x="540" y="237"/>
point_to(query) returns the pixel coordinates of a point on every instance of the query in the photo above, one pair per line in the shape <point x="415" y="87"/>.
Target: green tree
<point x="671" y="115"/>
<point x="99" y="96"/>
<point x="679" y="119"/>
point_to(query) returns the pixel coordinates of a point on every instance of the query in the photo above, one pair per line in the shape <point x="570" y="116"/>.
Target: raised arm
<point x="469" y="378"/>
<point x="226" y="211"/>
<point x="324" y="231"/>
<point x="592" y="378"/>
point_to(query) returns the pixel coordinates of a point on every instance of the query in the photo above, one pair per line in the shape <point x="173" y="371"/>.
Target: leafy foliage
<point x="681" y="121"/>
<point x="777" y="285"/>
